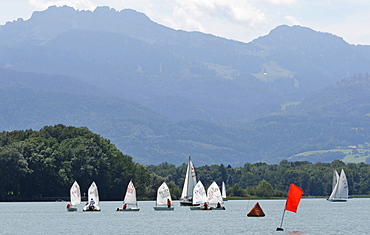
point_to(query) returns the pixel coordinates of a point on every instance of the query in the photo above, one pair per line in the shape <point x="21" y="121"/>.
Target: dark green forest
<point x="41" y="165"/>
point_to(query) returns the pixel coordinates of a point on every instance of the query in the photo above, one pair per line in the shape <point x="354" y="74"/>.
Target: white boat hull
<point x="87" y="208"/>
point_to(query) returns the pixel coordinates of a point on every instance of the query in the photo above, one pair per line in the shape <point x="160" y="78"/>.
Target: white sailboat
<point x="93" y="196"/>
<point x="200" y="197"/>
<point x="223" y="191"/>
<point x="189" y="183"/>
<point x="340" y="188"/>
<point x="75" y="194"/>
<point x="214" y="197"/>
<point x="130" y="202"/>
<point x="164" y="201"/>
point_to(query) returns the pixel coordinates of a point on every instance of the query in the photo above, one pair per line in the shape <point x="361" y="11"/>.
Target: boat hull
<point x="163" y="208"/>
<point x="87" y="208"/>
<point x="128" y="209"/>
<point x="198" y="208"/>
<point x="218" y="209"/>
<point x="72" y="209"/>
<point x="337" y="200"/>
<point x="188" y="203"/>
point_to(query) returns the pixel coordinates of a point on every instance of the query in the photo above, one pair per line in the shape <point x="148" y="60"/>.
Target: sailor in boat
<point x="92" y="204"/>
<point x="218" y="205"/>
<point x="205" y="206"/>
<point x="124" y="206"/>
<point x="168" y="203"/>
<point x="68" y="206"/>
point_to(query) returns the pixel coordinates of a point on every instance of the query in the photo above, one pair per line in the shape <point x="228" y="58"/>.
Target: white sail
<point x="199" y="194"/>
<point x="130" y="197"/>
<point x="163" y="194"/>
<point x="342" y="191"/>
<point x="93" y="193"/>
<point x="335" y="185"/>
<point x="190" y="181"/>
<point x="214" y="194"/>
<point x="223" y="190"/>
<point x="340" y="187"/>
<point x="75" y="193"/>
<point x="335" y="179"/>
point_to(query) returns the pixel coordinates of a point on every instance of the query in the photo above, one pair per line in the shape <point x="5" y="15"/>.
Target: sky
<point x="241" y="20"/>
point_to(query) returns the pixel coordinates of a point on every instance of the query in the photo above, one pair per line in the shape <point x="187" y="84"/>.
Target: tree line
<point x="35" y="165"/>
<point x="264" y="180"/>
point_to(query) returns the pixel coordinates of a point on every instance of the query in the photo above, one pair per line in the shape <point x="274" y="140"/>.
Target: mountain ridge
<point x="214" y="98"/>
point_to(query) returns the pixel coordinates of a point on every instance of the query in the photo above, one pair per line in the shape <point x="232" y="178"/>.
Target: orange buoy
<point x="256" y="211"/>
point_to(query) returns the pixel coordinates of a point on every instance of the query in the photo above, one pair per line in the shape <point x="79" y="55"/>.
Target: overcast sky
<point x="242" y="20"/>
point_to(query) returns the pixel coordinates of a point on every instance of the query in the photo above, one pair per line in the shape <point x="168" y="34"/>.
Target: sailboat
<point x="214" y="197"/>
<point x="189" y="183"/>
<point x="340" y="188"/>
<point x="130" y="202"/>
<point x="223" y="191"/>
<point x="93" y="196"/>
<point x="75" y="194"/>
<point x="200" y="197"/>
<point x="164" y="201"/>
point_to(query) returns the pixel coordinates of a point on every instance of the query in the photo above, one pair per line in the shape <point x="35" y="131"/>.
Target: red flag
<point x="294" y="197"/>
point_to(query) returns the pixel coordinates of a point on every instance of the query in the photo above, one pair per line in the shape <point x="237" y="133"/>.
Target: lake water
<point x="315" y="216"/>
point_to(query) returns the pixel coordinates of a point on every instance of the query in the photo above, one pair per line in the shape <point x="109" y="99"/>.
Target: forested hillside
<point x="37" y="165"/>
<point x="45" y="163"/>
<point x="263" y="180"/>
<point x="335" y="117"/>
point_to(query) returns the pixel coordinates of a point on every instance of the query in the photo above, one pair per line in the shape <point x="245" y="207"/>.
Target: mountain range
<point x="161" y="94"/>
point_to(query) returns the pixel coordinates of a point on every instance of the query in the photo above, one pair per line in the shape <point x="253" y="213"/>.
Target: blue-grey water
<point x="314" y="216"/>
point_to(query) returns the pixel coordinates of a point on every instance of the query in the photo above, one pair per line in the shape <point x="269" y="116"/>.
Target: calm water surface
<point x="315" y="216"/>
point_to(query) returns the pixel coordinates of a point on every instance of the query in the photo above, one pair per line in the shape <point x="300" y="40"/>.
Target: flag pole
<point x="281" y="224"/>
<point x="292" y="202"/>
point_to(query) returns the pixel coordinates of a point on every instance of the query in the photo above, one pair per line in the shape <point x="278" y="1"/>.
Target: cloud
<point x="292" y="20"/>
<point x="77" y="4"/>
<point x="197" y="14"/>
<point x="279" y="2"/>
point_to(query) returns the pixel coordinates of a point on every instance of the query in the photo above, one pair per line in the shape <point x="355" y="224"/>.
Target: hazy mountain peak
<point x="296" y="35"/>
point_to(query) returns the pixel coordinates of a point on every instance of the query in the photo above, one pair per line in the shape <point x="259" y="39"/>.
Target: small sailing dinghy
<point x="93" y="196"/>
<point x="214" y="197"/>
<point x="130" y="202"/>
<point x="75" y="194"/>
<point x="340" y="188"/>
<point x="189" y="183"/>
<point x="164" y="201"/>
<point x="223" y="191"/>
<point x="200" y="197"/>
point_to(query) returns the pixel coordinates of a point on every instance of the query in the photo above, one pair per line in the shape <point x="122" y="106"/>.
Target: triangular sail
<point x="93" y="193"/>
<point x="214" y="194"/>
<point x="335" y="179"/>
<point x="75" y="193"/>
<point x="342" y="191"/>
<point x="199" y="194"/>
<point x="163" y="194"/>
<point x="130" y="197"/>
<point x="190" y="181"/>
<point x="335" y="185"/>
<point x="223" y="190"/>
